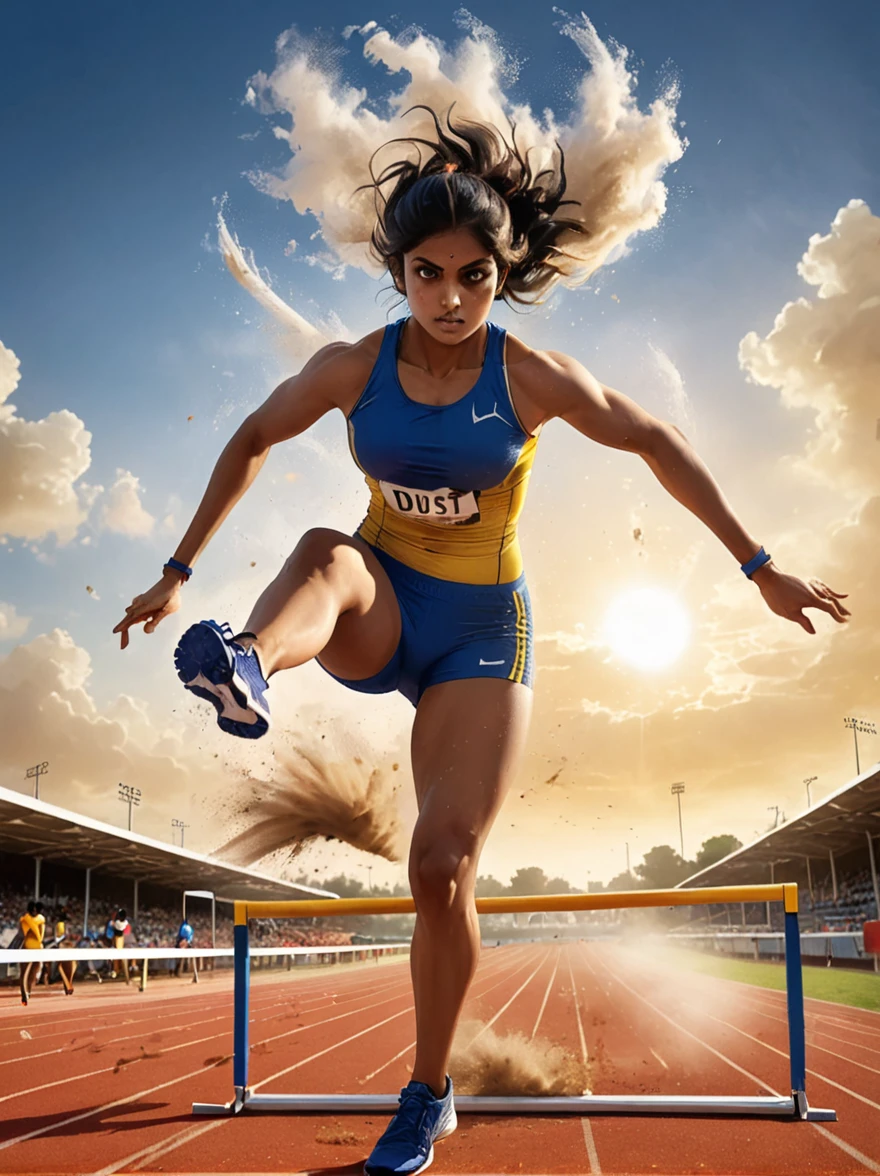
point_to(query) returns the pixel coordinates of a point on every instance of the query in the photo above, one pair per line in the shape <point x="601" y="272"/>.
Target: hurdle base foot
<point x="213" y="1108"/>
<point x="820" y="1115"/>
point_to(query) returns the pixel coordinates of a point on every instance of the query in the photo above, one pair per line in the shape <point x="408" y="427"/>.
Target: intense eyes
<point x="472" y="277"/>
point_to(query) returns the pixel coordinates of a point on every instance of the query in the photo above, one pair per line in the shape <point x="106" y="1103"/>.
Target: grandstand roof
<point x="36" y="829"/>
<point x="838" y="824"/>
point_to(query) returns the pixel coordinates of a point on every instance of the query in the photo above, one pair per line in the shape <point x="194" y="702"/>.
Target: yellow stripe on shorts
<point x="519" y="661"/>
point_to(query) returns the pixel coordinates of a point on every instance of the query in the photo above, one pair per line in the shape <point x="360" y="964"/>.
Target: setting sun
<point x="647" y="628"/>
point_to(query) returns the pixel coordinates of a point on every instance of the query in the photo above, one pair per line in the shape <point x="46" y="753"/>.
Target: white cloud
<point x="824" y="355"/>
<point x="122" y="510"/>
<point x="12" y="626"/>
<point x="40" y="462"/>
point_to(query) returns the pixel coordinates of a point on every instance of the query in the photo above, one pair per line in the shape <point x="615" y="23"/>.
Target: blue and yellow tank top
<point x="447" y="482"/>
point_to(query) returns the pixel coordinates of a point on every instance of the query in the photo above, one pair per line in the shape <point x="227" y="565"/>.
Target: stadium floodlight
<point x="677" y="790"/>
<point x="182" y="826"/>
<point x="794" y="1106"/>
<point x="34" y="774"/>
<point x="866" y="728"/>
<point x="131" y="797"/>
<point x="810" y="780"/>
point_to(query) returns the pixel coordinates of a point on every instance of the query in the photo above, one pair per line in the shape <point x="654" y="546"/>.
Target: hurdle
<point x="794" y="1106"/>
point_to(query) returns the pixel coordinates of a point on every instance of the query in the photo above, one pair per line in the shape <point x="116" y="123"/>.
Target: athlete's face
<point x="450" y="283"/>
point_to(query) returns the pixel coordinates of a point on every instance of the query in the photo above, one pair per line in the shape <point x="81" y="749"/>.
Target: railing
<point x="143" y="955"/>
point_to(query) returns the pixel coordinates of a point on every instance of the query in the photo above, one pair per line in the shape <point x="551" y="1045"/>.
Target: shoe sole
<point x="204" y="666"/>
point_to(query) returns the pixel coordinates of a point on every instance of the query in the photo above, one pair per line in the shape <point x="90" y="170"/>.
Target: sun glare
<point x="647" y="628"/>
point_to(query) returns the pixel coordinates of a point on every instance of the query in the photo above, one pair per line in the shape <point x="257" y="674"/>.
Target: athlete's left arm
<point x="609" y="417"/>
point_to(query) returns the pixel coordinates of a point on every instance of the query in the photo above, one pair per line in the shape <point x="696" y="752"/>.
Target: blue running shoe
<point x="408" y="1143"/>
<point x="216" y="668"/>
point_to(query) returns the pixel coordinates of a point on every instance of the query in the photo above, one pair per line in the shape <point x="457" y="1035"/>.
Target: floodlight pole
<point x="34" y="774"/>
<point x="810" y="780"/>
<point x="677" y="790"/>
<point x="131" y="797"/>
<point x="865" y="727"/>
<point x="181" y="825"/>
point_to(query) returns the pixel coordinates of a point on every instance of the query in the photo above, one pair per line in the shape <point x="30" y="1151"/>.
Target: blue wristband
<point x="181" y="567"/>
<point x="757" y="561"/>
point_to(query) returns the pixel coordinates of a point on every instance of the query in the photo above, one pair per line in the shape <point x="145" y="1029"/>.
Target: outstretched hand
<point x="788" y="596"/>
<point x="153" y="606"/>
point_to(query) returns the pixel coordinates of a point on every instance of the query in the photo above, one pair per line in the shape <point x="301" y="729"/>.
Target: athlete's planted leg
<point x="466" y="743"/>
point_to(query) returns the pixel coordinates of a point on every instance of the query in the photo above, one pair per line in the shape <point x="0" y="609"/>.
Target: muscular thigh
<point x="467" y="742"/>
<point x="368" y="629"/>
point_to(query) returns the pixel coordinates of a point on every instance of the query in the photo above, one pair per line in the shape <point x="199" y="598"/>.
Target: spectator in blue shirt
<point x="184" y="941"/>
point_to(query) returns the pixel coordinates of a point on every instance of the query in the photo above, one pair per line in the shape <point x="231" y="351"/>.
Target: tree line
<point x="661" y="869"/>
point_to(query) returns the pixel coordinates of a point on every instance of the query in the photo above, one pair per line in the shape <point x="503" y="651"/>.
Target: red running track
<point x="103" y="1082"/>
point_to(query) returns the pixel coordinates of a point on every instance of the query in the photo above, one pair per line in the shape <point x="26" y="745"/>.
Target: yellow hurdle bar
<point x="784" y="892"/>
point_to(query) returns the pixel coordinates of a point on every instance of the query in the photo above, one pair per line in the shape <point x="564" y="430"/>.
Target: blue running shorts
<point x="451" y="631"/>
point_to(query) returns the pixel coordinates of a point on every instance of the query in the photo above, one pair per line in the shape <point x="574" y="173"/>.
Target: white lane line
<point x="577" y="1011"/>
<point x="155" y="1150"/>
<point x="864" y="1160"/>
<point x="813" y="1073"/>
<point x="590" y="1142"/>
<point x="659" y="1059"/>
<point x="858" y="1156"/>
<point x="506" y="1006"/>
<point x="93" y="1111"/>
<point x="546" y="995"/>
<point x="592" y="1154"/>
<point x="822" y="1033"/>
<point x="330" y="1048"/>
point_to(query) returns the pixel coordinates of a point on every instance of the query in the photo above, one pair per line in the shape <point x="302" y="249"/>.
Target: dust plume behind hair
<point x="615" y="153"/>
<point x="312" y="796"/>
<point x="486" y="1062"/>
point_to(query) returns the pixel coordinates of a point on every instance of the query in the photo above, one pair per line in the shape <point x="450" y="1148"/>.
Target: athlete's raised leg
<point x="332" y="600"/>
<point x="467" y="741"/>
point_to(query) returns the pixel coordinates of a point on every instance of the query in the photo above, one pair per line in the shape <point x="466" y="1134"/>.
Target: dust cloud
<point x="313" y="796"/>
<point x="486" y="1062"/>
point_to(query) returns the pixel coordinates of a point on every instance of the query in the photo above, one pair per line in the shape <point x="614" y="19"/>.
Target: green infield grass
<point x="841" y="985"/>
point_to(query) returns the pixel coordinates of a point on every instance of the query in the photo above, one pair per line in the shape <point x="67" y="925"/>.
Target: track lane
<point x="770" y="1065"/>
<point x="305" y="1142"/>
<point x="212" y="1086"/>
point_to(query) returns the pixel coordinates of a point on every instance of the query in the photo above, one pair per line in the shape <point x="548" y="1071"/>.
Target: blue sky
<point x="123" y="125"/>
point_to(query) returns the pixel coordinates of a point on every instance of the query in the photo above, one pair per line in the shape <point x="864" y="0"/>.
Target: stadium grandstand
<point x="831" y="851"/>
<point x="66" y="860"/>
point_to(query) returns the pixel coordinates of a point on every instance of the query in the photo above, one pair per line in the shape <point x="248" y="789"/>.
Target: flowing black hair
<point x="474" y="179"/>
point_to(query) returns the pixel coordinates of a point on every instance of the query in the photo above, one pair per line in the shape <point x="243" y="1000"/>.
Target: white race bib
<point x="433" y="506"/>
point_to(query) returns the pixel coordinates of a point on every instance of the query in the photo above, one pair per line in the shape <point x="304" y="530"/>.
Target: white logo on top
<point x="492" y="663"/>
<point x="488" y="416"/>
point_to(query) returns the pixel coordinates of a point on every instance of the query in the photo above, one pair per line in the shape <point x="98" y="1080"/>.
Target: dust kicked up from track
<point x="486" y="1062"/>
<point x="312" y="796"/>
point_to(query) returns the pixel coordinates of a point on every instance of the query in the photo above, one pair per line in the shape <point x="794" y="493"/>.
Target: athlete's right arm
<point x="325" y="382"/>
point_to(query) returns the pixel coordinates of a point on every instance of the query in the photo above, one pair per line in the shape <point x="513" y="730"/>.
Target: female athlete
<point x="32" y="925"/>
<point x="443" y="410"/>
